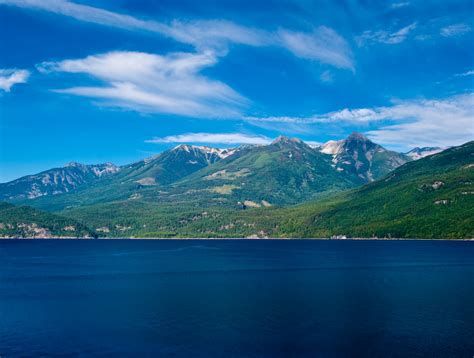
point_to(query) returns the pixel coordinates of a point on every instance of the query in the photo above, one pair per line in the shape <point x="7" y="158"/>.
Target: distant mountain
<point x="417" y="153"/>
<point x="27" y="222"/>
<point x="81" y="182"/>
<point x="286" y="171"/>
<point x="361" y="158"/>
<point x="172" y="165"/>
<point x="55" y="181"/>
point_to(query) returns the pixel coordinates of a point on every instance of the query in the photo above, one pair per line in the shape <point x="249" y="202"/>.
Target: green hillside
<point x="24" y="221"/>
<point x="429" y="198"/>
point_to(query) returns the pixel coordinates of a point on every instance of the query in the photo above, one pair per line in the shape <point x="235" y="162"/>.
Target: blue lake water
<point x="236" y="298"/>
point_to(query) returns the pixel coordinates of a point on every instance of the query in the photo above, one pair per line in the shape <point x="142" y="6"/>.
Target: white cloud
<point x="443" y="122"/>
<point x="216" y="34"/>
<point x="429" y="123"/>
<point x="323" y="44"/>
<point x="198" y="33"/>
<point x="465" y="74"/>
<point x="214" y="138"/>
<point x="385" y="37"/>
<point x="359" y="115"/>
<point x="455" y="30"/>
<point x="88" y="14"/>
<point x="11" y="77"/>
<point x="326" y="77"/>
<point x="398" y="5"/>
<point x="153" y="83"/>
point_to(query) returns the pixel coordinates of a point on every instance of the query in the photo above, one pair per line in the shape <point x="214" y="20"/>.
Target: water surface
<point x="236" y="298"/>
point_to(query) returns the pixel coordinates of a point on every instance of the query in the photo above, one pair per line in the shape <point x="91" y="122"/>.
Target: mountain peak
<point x="286" y="140"/>
<point x="73" y="165"/>
<point x="184" y="147"/>
<point x="358" y="136"/>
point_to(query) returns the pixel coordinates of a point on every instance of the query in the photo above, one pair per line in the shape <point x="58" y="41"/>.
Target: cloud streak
<point x="152" y="83"/>
<point x="441" y="123"/>
<point x="11" y="77"/>
<point x="213" y="138"/>
<point x="455" y="30"/>
<point x="385" y="37"/>
<point x="88" y="14"/>
<point x="465" y="74"/>
<point x="322" y="44"/>
<point x="399" y="5"/>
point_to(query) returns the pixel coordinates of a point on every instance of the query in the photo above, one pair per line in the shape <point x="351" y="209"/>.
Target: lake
<point x="236" y="298"/>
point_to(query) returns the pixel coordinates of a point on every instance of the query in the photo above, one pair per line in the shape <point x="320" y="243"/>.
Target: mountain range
<point x="202" y="191"/>
<point x="286" y="171"/>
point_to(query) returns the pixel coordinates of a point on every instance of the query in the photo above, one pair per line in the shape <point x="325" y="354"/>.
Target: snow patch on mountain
<point x="207" y="151"/>
<point x="418" y="153"/>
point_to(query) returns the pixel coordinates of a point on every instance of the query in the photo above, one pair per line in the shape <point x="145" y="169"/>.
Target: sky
<point x="118" y="81"/>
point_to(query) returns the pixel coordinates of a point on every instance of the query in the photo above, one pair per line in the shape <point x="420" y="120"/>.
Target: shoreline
<point x="230" y="238"/>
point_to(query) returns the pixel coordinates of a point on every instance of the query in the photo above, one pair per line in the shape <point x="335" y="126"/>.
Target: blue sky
<point x="116" y="81"/>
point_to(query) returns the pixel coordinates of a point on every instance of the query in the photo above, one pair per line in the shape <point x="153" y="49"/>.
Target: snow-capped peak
<point x="221" y="153"/>
<point x="418" y="153"/>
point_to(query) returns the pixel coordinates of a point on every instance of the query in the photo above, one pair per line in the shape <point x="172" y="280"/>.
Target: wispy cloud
<point x="216" y="34"/>
<point x="323" y="44"/>
<point x="326" y="77"/>
<point x="399" y="5"/>
<point x="465" y="74"/>
<point x="201" y="34"/>
<point x="442" y="122"/>
<point x="386" y="37"/>
<point x="213" y="138"/>
<point x="429" y="123"/>
<point x="358" y="115"/>
<point x="455" y="30"/>
<point x="153" y="83"/>
<point x="88" y="14"/>
<point x="11" y="77"/>
<point x="422" y="32"/>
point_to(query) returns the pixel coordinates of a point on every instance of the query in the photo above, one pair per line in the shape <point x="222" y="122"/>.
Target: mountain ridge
<point x="421" y="152"/>
<point x="55" y="181"/>
<point x="285" y="171"/>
